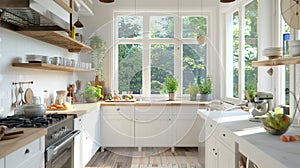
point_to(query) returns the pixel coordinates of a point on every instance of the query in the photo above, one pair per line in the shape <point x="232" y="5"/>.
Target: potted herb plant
<point x="171" y="86"/>
<point x="205" y="89"/>
<point x="193" y="90"/>
<point x="92" y="93"/>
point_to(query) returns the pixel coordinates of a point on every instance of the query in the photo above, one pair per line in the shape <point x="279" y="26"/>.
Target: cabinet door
<point x="187" y="125"/>
<point x="2" y="162"/>
<point x="153" y="126"/>
<point x="78" y="153"/>
<point x="117" y="126"/>
<point x="225" y="156"/>
<point x="90" y="128"/>
<point x="211" y="153"/>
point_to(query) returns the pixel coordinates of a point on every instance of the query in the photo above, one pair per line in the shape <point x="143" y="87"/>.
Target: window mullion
<point x="146" y="57"/>
<point x="241" y="52"/>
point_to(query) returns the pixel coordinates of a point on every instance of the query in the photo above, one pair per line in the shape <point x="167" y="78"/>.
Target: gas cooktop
<point x="37" y="122"/>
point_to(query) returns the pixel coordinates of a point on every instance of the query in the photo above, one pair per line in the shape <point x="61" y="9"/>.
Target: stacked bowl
<point x="273" y="52"/>
<point x="294" y="47"/>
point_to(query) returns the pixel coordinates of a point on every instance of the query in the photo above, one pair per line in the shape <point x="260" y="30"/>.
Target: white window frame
<point x="240" y="7"/>
<point x="145" y="41"/>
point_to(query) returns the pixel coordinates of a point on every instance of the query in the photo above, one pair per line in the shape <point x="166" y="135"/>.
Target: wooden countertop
<point x="78" y="110"/>
<point x="81" y="109"/>
<point x="155" y="103"/>
<point x="11" y="145"/>
<point x="254" y="142"/>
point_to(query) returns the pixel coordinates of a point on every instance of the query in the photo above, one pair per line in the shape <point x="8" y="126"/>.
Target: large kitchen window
<point x="151" y="45"/>
<point x="242" y="50"/>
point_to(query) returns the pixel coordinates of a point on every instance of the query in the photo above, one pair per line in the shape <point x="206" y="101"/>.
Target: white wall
<point x="14" y="45"/>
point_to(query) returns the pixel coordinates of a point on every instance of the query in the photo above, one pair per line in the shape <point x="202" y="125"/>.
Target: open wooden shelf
<point x="277" y="61"/>
<point x="58" y="39"/>
<point x="44" y="66"/>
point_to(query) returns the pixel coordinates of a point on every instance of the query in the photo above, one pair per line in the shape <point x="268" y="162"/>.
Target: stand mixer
<point x="263" y="102"/>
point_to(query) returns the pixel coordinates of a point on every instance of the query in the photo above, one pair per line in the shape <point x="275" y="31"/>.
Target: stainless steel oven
<point x="60" y="154"/>
<point x="59" y="140"/>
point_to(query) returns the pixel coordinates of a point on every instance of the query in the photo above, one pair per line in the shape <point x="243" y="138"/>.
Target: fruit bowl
<point x="276" y="124"/>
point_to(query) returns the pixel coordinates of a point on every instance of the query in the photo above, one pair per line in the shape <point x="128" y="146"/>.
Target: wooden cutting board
<point x="12" y="135"/>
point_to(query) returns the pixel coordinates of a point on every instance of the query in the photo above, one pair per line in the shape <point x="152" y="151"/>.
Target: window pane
<point x="130" y="26"/>
<point x="161" y="27"/>
<point x="251" y="46"/>
<point x="236" y="54"/>
<point x="162" y="63"/>
<point x="194" y="26"/>
<point x="130" y="67"/>
<point x="194" y="64"/>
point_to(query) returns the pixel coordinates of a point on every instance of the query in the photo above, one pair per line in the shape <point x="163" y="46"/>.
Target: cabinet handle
<point x="27" y="151"/>
<point x="118" y="109"/>
<point x="214" y="149"/>
<point x="224" y="135"/>
<point x="210" y="125"/>
<point x="216" y="153"/>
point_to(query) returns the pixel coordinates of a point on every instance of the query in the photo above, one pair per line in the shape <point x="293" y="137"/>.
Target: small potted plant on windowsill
<point x="205" y="89"/>
<point x="193" y="90"/>
<point x="171" y="86"/>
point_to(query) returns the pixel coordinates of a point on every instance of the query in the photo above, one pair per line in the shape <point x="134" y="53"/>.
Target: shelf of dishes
<point x="277" y="61"/>
<point x="44" y="66"/>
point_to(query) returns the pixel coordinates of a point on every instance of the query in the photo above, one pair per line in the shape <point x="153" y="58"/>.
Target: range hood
<point x="33" y="15"/>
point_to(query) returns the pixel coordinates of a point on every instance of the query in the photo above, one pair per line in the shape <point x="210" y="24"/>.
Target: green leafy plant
<point x="192" y="89"/>
<point x="92" y="93"/>
<point x="171" y="84"/>
<point x="97" y="55"/>
<point x="205" y="86"/>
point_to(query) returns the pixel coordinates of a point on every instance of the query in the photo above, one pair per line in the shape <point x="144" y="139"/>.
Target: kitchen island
<point x="240" y="137"/>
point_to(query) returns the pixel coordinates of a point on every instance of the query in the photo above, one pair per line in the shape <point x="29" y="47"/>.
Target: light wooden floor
<point x="147" y="158"/>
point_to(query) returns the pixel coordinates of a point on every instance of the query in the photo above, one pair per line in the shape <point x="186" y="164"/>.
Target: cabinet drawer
<point x="226" y="137"/>
<point x="117" y="110"/>
<point x="24" y="153"/>
<point x="210" y="127"/>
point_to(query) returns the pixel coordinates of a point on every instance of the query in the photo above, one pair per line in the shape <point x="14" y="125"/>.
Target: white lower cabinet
<point x="188" y="125"/>
<point x="117" y="126"/>
<point x="157" y="125"/>
<point x="219" y="146"/>
<point x="153" y="126"/>
<point x="30" y="155"/>
<point x="87" y="142"/>
<point x="2" y="162"/>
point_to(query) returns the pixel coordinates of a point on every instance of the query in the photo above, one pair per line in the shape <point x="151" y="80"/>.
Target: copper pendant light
<point x="107" y="1"/>
<point x="226" y="1"/>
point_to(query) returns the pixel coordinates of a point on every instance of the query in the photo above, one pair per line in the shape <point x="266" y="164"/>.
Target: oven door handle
<point x="51" y="150"/>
